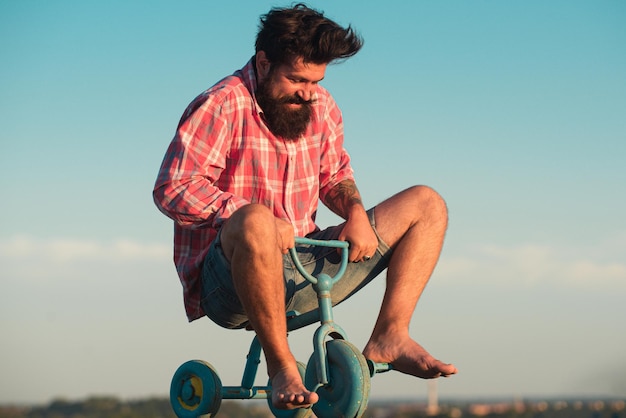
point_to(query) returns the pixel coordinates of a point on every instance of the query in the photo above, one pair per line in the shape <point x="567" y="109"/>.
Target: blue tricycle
<point x="336" y="370"/>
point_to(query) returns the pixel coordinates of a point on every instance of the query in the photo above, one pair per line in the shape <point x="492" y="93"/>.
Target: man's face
<point x="285" y="93"/>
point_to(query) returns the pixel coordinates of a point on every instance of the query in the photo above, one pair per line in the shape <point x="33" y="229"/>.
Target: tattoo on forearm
<point x="342" y="197"/>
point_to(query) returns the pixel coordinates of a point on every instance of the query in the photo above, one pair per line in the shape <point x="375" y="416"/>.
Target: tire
<point x="196" y="390"/>
<point x="347" y="392"/>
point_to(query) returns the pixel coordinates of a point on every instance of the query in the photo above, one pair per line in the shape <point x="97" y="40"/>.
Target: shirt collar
<point x="248" y="75"/>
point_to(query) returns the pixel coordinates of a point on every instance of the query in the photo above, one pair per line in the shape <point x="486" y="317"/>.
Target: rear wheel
<point x="196" y="390"/>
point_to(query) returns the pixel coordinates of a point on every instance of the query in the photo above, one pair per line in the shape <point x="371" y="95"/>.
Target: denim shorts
<point x="221" y="304"/>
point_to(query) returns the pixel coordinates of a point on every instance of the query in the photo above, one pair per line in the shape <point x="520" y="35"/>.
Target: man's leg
<point x="251" y="242"/>
<point x="413" y="223"/>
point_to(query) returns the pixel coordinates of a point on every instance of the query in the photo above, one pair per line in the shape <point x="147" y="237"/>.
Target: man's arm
<point x="185" y="187"/>
<point x="344" y="200"/>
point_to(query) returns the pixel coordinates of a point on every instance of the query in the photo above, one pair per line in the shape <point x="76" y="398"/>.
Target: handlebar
<point x="343" y="245"/>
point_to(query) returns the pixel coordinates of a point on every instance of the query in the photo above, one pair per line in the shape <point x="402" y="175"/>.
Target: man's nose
<point x="305" y="93"/>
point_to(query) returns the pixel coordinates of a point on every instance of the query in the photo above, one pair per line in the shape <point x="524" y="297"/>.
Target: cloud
<point x="525" y="264"/>
<point x="28" y="257"/>
<point x="530" y="264"/>
<point x="66" y="250"/>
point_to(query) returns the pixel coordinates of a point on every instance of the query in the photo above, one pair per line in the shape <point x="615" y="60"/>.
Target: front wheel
<point x="348" y="389"/>
<point x="196" y="390"/>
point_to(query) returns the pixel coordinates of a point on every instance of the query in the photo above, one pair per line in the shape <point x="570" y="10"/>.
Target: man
<point x="251" y="158"/>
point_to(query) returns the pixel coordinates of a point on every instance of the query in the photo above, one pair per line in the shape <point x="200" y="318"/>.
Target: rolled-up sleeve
<point x="335" y="162"/>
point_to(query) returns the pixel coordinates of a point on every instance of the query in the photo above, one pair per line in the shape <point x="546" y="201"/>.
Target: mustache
<point x="295" y="100"/>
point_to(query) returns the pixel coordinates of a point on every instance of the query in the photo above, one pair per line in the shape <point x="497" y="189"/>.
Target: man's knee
<point x="250" y="225"/>
<point x="429" y="204"/>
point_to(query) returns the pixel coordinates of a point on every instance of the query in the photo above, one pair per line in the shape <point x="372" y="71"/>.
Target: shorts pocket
<point x="223" y="309"/>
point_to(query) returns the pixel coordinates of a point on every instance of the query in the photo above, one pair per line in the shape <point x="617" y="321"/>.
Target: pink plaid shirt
<point x="223" y="157"/>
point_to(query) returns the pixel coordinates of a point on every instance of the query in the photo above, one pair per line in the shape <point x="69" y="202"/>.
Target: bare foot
<point x="407" y="356"/>
<point x="288" y="391"/>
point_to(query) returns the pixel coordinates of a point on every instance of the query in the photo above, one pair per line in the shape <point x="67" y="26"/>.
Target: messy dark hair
<point x="301" y="32"/>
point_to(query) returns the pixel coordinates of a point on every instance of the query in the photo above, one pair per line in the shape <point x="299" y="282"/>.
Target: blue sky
<point x="514" y="111"/>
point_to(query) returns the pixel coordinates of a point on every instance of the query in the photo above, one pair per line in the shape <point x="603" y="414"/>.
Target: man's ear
<point x="262" y="65"/>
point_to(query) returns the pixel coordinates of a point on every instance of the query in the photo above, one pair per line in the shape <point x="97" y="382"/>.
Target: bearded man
<point x="252" y="157"/>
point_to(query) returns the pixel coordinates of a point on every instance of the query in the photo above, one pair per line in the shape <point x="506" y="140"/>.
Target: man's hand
<point x="359" y="233"/>
<point x="285" y="235"/>
<point x="345" y="200"/>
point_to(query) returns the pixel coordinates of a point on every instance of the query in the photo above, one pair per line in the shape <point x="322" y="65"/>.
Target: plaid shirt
<point x="223" y="157"/>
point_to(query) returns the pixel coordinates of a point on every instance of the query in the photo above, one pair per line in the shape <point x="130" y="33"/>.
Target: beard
<point x="282" y="120"/>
